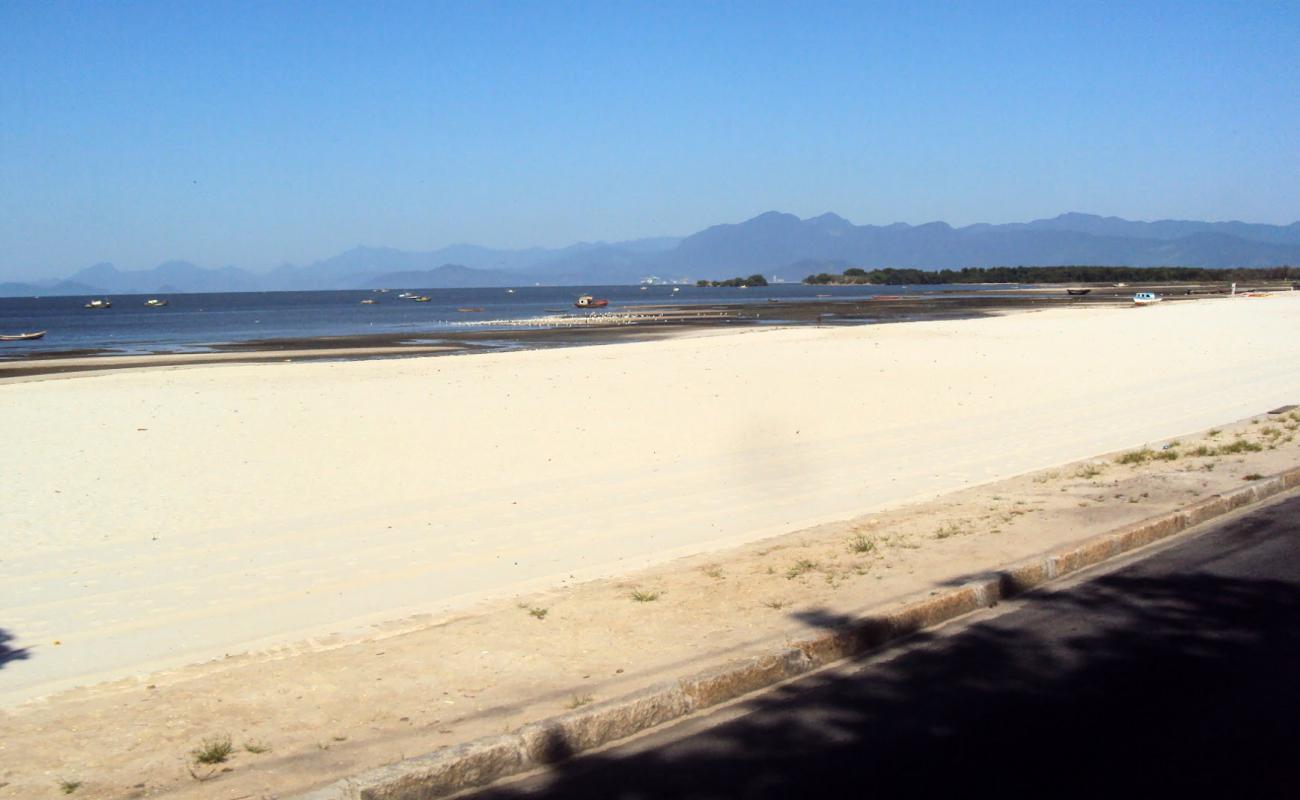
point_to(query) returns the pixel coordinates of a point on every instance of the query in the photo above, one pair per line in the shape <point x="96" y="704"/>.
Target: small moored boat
<point x="587" y="301"/>
<point x="470" y="310"/>
<point x="369" y="301"/>
<point x="1145" y="298"/>
<point x="98" y="304"/>
<point x="1077" y="292"/>
<point x="21" y="337"/>
<point x="154" y="302"/>
<point x="421" y="299"/>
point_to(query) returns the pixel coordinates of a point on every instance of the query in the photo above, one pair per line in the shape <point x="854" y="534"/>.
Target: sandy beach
<point x="342" y="564"/>
<point x="156" y="518"/>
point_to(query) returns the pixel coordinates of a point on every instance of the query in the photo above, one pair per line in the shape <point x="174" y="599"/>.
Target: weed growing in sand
<point x="776" y="605"/>
<point x="579" y="700"/>
<point x="800" y="567"/>
<point x="1136" y="457"/>
<point x="257" y="746"/>
<point x="1213" y="433"/>
<point x="1240" y="446"/>
<point x="642" y="596"/>
<point x="539" y="612"/>
<point x="714" y="572"/>
<point x="1088" y="471"/>
<point x="861" y="544"/>
<point x="1047" y="476"/>
<point x="213" y="751"/>
<point x="1254" y="476"/>
<point x="949" y="530"/>
<point x="1201" y="451"/>
<point x="68" y="787"/>
<point x="1167" y="455"/>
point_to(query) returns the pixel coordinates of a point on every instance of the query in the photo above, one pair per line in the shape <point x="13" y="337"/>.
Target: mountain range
<point x="781" y="246"/>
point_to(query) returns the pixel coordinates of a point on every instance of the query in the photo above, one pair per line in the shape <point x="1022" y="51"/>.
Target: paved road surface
<point x="1179" y="673"/>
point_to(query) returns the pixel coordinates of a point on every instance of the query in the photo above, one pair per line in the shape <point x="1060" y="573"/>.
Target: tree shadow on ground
<point x="8" y="653"/>
<point x="1146" y="683"/>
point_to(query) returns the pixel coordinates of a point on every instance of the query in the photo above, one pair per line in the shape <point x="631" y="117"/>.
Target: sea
<point x="199" y="322"/>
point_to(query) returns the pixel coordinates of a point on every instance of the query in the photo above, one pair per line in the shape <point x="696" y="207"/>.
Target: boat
<point x="1077" y="292"/>
<point x="1146" y="298"/>
<point x="407" y="296"/>
<point x="587" y="301"/>
<point x="154" y="302"/>
<point x="421" y="299"/>
<point x="98" y="304"/>
<point x="470" y="310"/>
<point x="20" y="337"/>
<point x="369" y="301"/>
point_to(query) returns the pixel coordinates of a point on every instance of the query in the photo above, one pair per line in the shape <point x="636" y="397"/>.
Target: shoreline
<point x="634" y="324"/>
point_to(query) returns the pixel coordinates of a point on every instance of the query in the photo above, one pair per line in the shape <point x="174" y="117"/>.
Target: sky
<point x="256" y="134"/>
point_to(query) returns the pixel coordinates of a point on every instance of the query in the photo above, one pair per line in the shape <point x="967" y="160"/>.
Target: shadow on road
<point x="1156" y="684"/>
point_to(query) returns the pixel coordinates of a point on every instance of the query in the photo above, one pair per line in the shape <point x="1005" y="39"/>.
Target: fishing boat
<point x="407" y="296"/>
<point x="1145" y="298"/>
<point x="154" y="302"/>
<point x="20" y="337"/>
<point x="470" y="310"/>
<point x="421" y="299"/>
<point x="1077" y="292"/>
<point x="587" y="301"/>
<point x="369" y="301"/>
<point x="98" y="304"/>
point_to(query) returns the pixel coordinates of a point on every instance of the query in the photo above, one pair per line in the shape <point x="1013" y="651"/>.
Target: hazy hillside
<point x="776" y="244"/>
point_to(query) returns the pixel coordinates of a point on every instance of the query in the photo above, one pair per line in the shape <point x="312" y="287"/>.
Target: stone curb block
<point x="558" y="738"/>
<point x="481" y="762"/>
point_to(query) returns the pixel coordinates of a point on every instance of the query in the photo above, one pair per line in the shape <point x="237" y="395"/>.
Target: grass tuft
<point x="1136" y="457"/>
<point x="539" y="612"/>
<point x="213" y="751"/>
<point x="642" y="596"/>
<point x="800" y="567"/>
<point x="861" y="544"/>
<point x="1254" y="476"/>
<point x="68" y="787"/>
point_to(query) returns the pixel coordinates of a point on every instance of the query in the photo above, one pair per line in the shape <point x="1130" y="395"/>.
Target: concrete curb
<point x="483" y="761"/>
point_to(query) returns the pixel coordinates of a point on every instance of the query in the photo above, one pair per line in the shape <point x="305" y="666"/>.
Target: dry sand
<point x="159" y="517"/>
<point x="314" y="715"/>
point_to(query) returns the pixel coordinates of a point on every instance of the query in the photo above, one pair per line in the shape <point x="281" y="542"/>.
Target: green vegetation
<point x="752" y="280"/>
<point x="68" y="787"/>
<point x="641" y="596"/>
<point x="800" y="567"/>
<point x="861" y="544"/>
<point x="538" y="612"/>
<point x="213" y="751"/>
<point x="1073" y="274"/>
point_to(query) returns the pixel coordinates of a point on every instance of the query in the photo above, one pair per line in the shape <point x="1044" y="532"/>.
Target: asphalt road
<point x="1179" y="672"/>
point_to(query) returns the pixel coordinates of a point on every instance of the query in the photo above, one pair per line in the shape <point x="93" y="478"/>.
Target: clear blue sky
<point x="258" y="133"/>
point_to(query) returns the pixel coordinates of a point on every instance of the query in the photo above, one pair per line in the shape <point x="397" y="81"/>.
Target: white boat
<point x="98" y="304"/>
<point x="1146" y="298"/>
<point x="154" y="302"/>
<point x="21" y="337"/>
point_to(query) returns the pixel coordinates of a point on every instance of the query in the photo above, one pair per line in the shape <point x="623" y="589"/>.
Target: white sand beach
<point x="157" y="517"/>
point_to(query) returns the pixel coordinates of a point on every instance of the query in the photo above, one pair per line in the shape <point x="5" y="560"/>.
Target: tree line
<point x="752" y="280"/>
<point x="1078" y="274"/>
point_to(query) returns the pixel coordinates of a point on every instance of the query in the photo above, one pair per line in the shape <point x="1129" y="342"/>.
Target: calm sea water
<point x="195" y="322"/>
